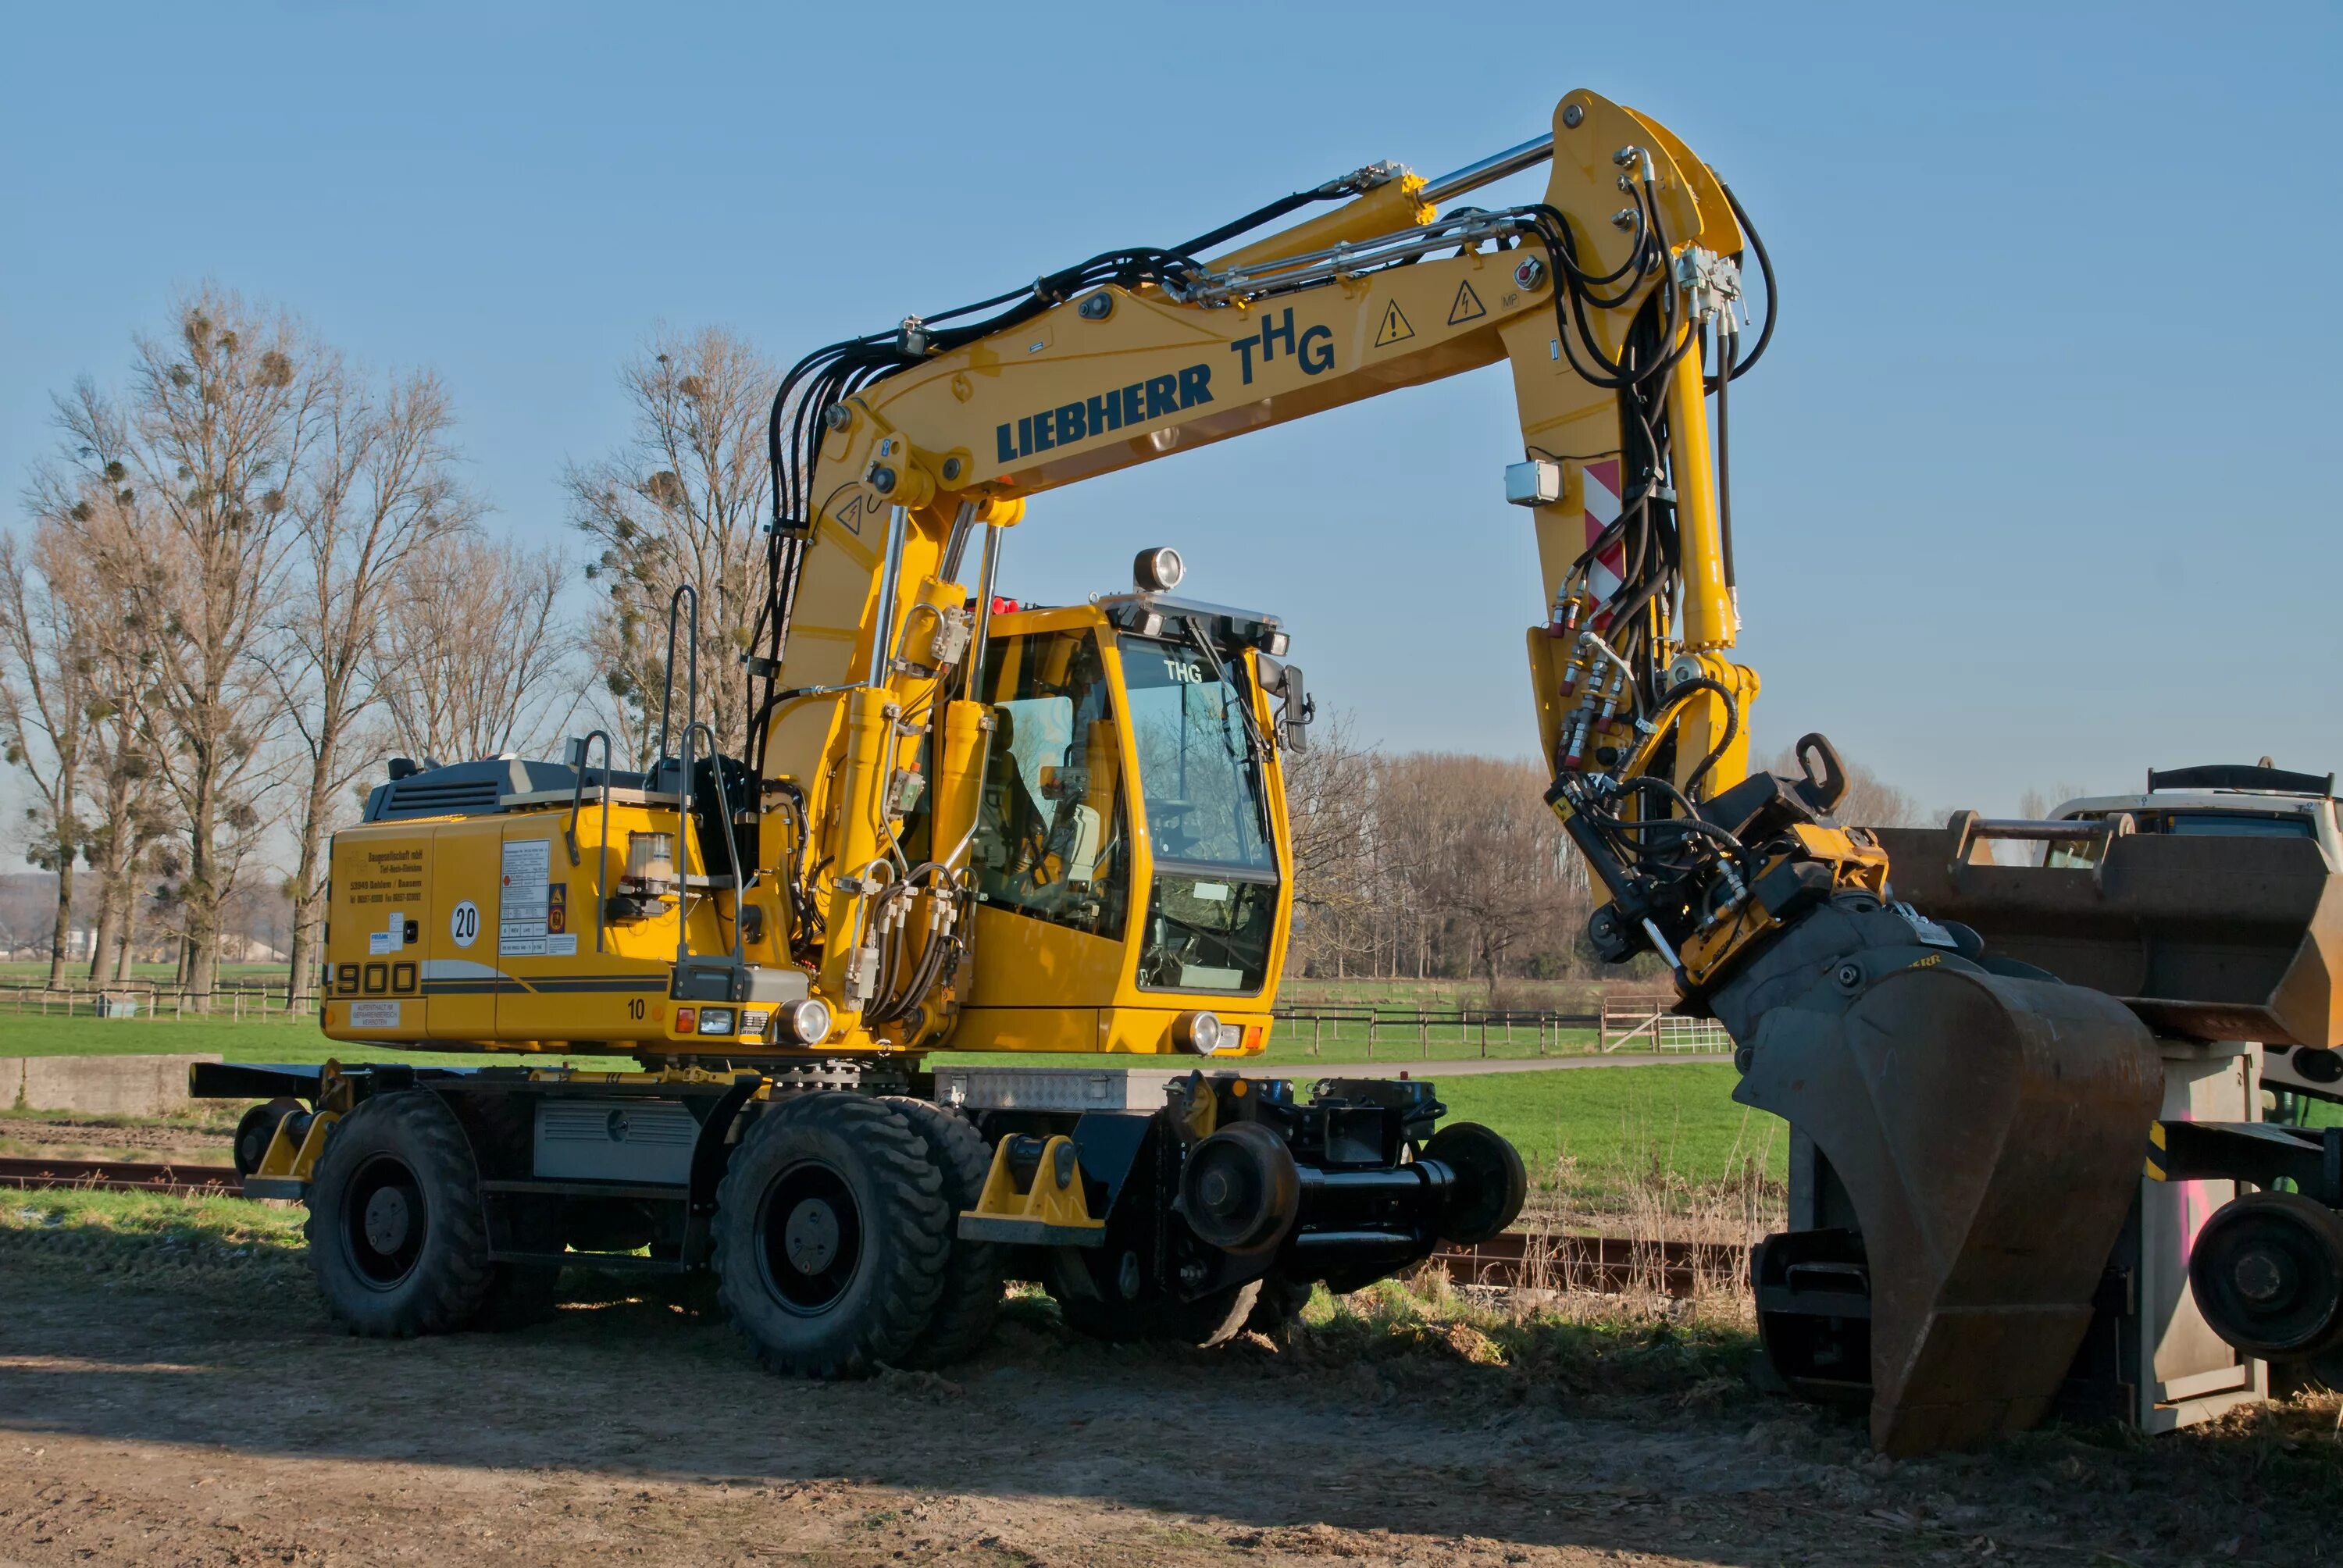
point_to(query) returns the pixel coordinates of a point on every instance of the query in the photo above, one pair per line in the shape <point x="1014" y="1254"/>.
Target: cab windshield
<point x="1212" y="912"/>
<point x="1198" y="774"/>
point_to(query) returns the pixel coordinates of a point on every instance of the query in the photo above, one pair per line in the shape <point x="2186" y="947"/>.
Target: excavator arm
<point x="1608" y="299"/>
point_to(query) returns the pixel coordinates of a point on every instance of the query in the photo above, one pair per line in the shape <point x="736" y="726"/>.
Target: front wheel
<point x="832" y="1236"/>
<point x="396" y="1239"/>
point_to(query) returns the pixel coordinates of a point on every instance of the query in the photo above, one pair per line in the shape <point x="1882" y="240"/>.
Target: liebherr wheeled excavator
<point x="958" y="822"/>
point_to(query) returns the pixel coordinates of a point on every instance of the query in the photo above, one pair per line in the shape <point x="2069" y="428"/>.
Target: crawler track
<point x="120" y="1176"/>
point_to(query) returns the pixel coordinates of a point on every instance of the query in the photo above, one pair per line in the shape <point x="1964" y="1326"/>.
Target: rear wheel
<point x="832" y="1236"/>
<point x="397" y="1240"/>
<point x="974" y="1272"/>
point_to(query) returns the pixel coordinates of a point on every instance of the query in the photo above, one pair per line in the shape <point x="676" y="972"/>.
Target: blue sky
<point x="2037" y="484"/>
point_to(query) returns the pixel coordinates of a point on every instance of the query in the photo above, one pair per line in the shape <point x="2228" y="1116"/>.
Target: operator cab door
<point x="1052" y="852"/>
<point x="1125" y="836"/>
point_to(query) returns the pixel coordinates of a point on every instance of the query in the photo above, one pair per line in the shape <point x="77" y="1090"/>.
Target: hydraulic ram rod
<point x="1489" y="170"/>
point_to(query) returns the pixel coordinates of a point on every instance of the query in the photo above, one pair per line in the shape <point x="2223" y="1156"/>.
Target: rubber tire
<point x="1208" y="1321"/>
<point x="521" y="1295"/>
<point x="444" y="1288"/>
<point x="975" y="1272"/>
<point x="897" y="1194"/>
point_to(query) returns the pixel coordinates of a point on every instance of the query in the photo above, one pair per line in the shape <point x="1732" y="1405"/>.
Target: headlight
<point x="1203" y="1034"/>
<point x="807" y="1020"/>
<point x="1158" y="570"/>
<point x="1278" y="643"/>
<point x="716" y="1020"/>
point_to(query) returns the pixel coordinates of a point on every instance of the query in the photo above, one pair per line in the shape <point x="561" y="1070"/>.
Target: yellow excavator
<point x="956" y="822"/>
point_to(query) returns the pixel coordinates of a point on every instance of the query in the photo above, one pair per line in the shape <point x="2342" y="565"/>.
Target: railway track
<point x="120" y="1176"/>
<point x="1514" y="1260"/>
<point x="1608" y="1264"/>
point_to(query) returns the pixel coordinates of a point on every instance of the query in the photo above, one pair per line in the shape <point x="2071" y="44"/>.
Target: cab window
<point x="1050" y="840"/>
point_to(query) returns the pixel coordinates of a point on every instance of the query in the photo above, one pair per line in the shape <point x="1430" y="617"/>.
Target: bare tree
<point x="128" y="806"/>
<point x="208" y="440"/>
<point x="1491" y="871"/>
<point x="473" y="651"/>
<point x="130" y="818"/>
<point x="47" y="637"/>
<point x="680" y="502"/>
<point x="1329" y="793"/>
<point x="378" y="497"/>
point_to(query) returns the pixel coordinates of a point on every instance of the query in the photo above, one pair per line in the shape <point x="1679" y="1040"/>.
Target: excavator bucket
<point x="1976" y="1125"/>
<point x="2206" y="937"/>
<point x="1981" y="1136"/>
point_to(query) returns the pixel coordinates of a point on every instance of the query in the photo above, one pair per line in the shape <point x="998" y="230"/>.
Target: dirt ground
<point x="180" y="1400"/>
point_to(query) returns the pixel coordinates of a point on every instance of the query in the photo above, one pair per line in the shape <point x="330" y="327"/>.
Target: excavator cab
<point x="1129" y="837"/>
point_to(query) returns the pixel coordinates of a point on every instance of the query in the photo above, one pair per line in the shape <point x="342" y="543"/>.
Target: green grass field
<point x="1607" y="1128"/>
<point x="274" y="1039"/>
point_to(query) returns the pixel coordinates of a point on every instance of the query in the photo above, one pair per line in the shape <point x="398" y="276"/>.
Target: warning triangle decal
<point x="1468" y="305"/>
<point x="1394" y="327"/>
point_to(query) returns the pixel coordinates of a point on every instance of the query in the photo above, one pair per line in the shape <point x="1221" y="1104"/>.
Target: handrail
<point x="577" y="800"/>
<point x="731" y="839"/>
<point x="691" y="687"/>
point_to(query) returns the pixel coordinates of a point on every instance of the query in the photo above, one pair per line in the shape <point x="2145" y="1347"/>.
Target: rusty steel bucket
<point x="1987" y="1133"/>
<point x="2205" y="938"/>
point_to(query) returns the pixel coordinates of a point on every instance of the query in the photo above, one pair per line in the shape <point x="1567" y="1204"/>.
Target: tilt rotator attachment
<point x="1173" y="1193"/>
<point x="1982" y="1121"/>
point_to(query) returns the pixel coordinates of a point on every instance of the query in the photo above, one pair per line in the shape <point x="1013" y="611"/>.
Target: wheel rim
<point x="811" y="1231"/>
<point x="384" y="1222"/>
<point x="2268" y="1279"/>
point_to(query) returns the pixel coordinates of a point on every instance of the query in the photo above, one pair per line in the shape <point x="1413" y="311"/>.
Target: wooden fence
<point x="1398" y="1026"/>
<point x="229" y="999"/>
<point x="1649" y="1019"/>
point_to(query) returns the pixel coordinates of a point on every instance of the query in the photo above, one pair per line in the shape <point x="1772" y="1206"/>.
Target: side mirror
<point x="1284" y="681"/>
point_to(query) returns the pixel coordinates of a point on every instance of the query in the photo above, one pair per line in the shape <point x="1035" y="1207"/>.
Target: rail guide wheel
<point x="2267" y="1273"/>
<point x="832" y="1235"/>
<point x="397" y="1240"/>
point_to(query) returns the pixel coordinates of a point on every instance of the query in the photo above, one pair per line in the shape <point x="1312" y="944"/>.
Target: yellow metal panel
<point x="1063" y="1029"/>
<point x="1023" y="963"/>
<point x="459" y="946"/>
<point x="563" y="990"/>
<point x="381" y="890"/>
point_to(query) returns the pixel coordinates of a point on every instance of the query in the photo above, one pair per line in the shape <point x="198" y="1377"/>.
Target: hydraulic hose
<point x="1766" y="267"/>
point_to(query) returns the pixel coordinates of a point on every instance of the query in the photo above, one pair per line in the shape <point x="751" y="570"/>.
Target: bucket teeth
<point x="1986" y="1131"/>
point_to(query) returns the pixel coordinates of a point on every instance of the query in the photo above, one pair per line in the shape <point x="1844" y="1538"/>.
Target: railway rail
<point x="1609" y="1265"/>
<point x="1517" y="1259"/>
